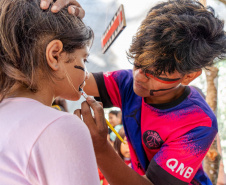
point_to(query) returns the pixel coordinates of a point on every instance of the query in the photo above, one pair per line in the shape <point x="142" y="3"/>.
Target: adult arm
<point x="109" y="162"/>
<point x="73" y="6"/>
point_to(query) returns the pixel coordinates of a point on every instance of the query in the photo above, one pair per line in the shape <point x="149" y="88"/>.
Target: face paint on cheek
<point x="152" y="91"/>
<point x="163" y="80"/>
<point x="83" y="69"/>
<point x="79" y="67"/>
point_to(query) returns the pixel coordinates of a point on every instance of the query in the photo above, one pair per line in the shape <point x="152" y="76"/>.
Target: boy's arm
<point x="115" y="170"/>
<point x="91" y="86"/>
<point x="109" y="162"/>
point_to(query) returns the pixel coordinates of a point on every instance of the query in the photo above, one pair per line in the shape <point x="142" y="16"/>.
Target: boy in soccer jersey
<point x="169" y="126"/>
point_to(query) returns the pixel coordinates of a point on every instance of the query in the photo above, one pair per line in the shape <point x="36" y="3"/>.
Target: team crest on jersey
<point x="152" y="139"/>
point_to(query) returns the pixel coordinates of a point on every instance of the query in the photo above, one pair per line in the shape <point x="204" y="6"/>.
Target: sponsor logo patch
<point x="175" y="166"/>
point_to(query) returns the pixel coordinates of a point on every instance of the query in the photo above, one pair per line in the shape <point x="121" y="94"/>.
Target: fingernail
<point x="90" y="98"/>
<point x="43" y="4"/>
<point x="72" y="11"/>
<point x="54" y="8"/>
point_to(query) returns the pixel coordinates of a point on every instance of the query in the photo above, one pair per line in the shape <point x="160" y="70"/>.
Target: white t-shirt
<point x="43" y="146"/>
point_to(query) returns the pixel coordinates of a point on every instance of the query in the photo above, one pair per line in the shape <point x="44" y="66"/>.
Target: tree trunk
<point x="221" y="180"/>
<point x="221" y="176"/>
<point x="213" y="164"/>
<point x="212" y="158"/>
<point x="223" y="1"/>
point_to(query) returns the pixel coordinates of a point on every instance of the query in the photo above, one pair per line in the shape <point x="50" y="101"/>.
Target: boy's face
<point x="147" y="85"/>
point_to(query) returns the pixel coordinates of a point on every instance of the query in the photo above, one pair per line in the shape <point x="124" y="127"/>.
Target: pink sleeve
<point x="63" y="154"/>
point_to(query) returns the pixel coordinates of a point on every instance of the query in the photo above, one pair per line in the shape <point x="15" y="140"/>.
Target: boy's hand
<point x="73" y="8"/>
<point x="97" y="124"/>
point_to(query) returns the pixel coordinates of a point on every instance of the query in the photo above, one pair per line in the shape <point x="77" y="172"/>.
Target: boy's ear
<point x="190" y="77"/>
<point x="53" y="51"/>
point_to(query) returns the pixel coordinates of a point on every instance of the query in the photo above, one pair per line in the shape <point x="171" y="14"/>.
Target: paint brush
<point x="110" y="126"/>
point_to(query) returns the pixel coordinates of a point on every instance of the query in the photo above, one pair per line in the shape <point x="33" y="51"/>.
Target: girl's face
<point x="113" y="119"/>
<point x="74" y="73"/>
<point x="125" y="149"/>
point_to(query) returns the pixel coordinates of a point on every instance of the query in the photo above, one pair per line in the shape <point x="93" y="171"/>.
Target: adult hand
<point x="73" y="8"/>
<point x="97" y="124"/>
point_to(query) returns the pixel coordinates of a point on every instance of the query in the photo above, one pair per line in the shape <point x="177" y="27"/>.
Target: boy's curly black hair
<point x="179" y="35"/>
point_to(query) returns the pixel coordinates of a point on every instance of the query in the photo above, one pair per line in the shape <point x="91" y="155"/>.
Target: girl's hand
<point x="96" y="124"/>
<point x="73" y="8"/>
